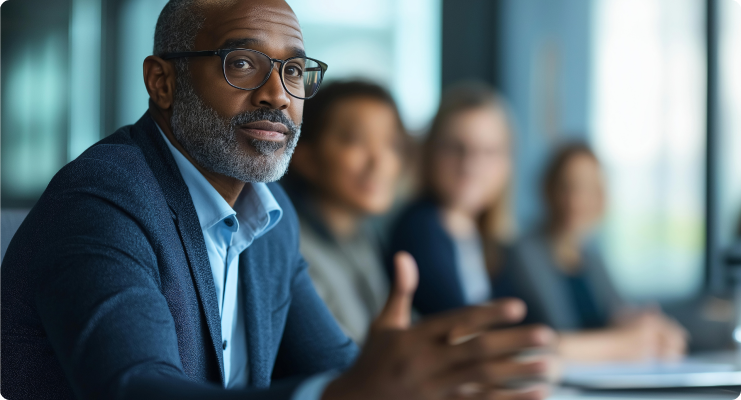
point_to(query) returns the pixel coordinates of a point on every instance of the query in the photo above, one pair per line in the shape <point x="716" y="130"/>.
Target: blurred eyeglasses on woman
<point x="249" y="69"/>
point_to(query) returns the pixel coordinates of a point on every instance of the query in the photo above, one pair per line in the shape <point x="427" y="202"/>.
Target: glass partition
<point x="649" y="129"/>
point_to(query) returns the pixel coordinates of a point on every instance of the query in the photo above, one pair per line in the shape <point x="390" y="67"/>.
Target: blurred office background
<point x="653" y="85"/>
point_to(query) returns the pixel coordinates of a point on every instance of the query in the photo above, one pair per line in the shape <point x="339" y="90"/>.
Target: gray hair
<point x="177" y="27"/>
<point x="176" y="30"/>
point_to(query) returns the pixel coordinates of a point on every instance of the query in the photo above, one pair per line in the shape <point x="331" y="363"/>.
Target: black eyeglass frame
<point x="223" y="53"/>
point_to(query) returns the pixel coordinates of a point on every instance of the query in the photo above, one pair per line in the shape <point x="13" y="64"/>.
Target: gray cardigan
<point x="537" y="280"/>
<point x="348" y="275"/>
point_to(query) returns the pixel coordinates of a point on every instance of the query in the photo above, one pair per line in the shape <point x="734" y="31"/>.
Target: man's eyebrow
<point x="239" y="43"/>
<point x="246" y="43"/>
<point x="298" y="52"/>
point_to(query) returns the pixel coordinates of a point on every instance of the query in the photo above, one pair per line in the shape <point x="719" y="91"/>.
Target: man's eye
<point x="294" y="70"/>
<point x="241" y="64"/>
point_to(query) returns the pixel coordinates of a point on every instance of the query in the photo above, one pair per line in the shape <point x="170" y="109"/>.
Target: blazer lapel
<point x="257" y="318"/>
<point x="163" y="165"/>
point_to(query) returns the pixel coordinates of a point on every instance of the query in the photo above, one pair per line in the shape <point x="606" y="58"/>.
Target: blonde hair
<point x="496" y="224"/>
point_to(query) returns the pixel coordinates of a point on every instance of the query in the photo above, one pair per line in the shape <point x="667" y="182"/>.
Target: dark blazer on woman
<point x="420" y="231"/>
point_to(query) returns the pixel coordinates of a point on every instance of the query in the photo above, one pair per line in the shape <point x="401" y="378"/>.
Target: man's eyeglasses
<point x="249" y="69"/>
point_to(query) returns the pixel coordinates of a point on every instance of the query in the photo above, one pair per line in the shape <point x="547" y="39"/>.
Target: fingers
<point x="672" y="349"/>
<point x="676" y="328"/>
<point x="396" y="314"/>
<point x="655" y="337"/>
<point x="460" y="325"/>
<point x="666" y="339"/>
<point x="499" y="343"/>
<point x="673" y="341"/>
<point x="512" y="311"/>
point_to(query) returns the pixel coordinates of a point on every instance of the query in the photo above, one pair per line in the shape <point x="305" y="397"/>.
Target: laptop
<point x="697" y="372"/>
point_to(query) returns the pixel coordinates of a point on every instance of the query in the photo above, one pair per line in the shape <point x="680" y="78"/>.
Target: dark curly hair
<point x="317" y="110"/>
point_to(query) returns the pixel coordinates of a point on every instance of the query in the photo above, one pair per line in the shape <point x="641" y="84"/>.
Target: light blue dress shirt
<point x="227" y="232"/>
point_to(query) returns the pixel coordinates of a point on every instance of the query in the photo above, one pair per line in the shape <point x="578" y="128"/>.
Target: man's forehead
<point x="268" y="22"/>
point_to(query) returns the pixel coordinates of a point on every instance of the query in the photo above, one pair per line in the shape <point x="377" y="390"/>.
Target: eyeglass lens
<point x="248" y="69"/>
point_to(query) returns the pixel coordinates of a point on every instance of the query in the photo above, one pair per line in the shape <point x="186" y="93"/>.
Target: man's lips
<point x="265" y="130"/>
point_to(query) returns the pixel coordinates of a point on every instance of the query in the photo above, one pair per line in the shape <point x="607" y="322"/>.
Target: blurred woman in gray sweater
<point x="560" y="274"/>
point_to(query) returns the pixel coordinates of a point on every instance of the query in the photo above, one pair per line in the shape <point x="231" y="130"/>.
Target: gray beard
<point x="212" y="140"/>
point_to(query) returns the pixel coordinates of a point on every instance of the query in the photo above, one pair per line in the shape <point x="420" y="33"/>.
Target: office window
<point x="649" y="129"/>
<point x="135" y="40"/>
<point x="393" y="42"/>
<point x="35" y="93"/>
<point x="729" y="140"/>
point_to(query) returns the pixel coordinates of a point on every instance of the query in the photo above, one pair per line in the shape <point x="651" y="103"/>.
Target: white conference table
<point x="722" y="357"/>
<point x="693" y="394"/>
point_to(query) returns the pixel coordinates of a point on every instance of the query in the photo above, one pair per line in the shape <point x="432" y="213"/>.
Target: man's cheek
<point x="229" y="105"/>
<point x="296" y="112"/>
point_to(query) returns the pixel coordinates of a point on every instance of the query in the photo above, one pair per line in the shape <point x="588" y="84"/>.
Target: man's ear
<point x="159" y="78"/>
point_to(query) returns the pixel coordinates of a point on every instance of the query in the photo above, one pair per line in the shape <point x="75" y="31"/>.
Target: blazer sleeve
<point x="97" y="295"/>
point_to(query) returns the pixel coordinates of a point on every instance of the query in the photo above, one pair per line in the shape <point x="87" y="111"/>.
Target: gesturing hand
<point x="459" y="354"/>
<point x="649" y="336"/>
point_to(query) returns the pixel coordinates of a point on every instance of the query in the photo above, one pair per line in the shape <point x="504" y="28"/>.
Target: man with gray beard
<point x="161" y="264"/>
<point x="218" y="151"/>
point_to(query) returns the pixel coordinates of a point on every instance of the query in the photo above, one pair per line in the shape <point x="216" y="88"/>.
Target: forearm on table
<point x="590" y="346"/>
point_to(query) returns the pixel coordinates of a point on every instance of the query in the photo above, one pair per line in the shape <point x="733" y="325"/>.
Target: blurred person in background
<point x="345" y="169"/>
<point x="459" y="229"/>
<point x="562" y="278"/>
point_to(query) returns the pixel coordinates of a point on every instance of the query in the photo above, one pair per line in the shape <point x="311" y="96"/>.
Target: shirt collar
<point x="256" y="207"/>
<point x="265" y="209"/>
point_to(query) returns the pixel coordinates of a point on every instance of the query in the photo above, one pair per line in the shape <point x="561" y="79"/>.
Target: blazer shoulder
<point x="128" y="147"/>
<point x="114" y="171"/>
<point x="116" y="148"/>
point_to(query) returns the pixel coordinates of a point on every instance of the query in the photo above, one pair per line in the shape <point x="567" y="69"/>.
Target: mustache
<point x="265" y="114"/>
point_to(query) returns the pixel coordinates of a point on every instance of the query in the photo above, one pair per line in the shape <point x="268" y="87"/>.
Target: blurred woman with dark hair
<point x="562" y="278"/>
<point x="459" y="229"/>
<point x="344" y="170"/>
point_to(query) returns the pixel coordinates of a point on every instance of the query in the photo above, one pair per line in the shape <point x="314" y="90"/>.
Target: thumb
<point x="396" y="314"/>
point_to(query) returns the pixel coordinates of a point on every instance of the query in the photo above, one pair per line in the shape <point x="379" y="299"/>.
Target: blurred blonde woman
<point x="459" y="230"/>
<point x="559" y="273"/>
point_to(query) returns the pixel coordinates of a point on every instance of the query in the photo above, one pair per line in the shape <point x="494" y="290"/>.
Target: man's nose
<point x="272" y="94"/>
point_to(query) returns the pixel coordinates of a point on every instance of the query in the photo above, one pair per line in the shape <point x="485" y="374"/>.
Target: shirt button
<point x="223" y="345"/>
<point x="229" y="222"/>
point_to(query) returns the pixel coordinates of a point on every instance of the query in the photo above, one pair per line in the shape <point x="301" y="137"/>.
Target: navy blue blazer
<point x="419" y="231"/>
<point x="107" y="289"/>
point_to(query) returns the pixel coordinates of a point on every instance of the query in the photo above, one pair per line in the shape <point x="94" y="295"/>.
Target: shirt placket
<point x="229" y="303"/>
